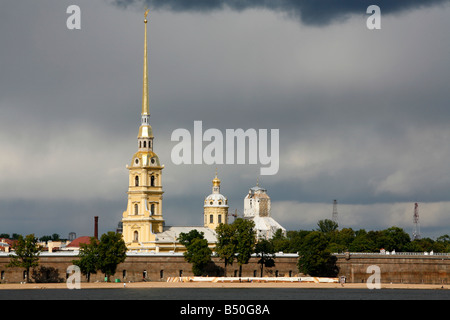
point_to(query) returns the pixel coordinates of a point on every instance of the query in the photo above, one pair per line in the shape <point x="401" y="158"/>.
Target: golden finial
<point x="145" y="14"/>
<point x="216" y="181"/>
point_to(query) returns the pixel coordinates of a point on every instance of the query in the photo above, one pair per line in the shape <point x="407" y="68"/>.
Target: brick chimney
<point x="96" y="227"/>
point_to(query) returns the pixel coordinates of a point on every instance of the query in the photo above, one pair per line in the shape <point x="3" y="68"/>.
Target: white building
<point x="257" y="208"/>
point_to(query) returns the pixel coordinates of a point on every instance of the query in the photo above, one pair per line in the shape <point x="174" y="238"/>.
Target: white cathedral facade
<point x="257" y="208"/>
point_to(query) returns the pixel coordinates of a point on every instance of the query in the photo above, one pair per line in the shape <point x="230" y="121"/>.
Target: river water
<point x="226" y="303"/>
<point x="235" y="294"/>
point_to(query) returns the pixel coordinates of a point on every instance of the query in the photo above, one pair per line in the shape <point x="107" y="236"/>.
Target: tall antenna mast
<point x="335" y="213"/>
<point x="416" y="232"/>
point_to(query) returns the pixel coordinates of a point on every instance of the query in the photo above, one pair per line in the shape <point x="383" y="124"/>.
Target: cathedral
<point x="142" y="223"/>
<point x="257" y="208"/>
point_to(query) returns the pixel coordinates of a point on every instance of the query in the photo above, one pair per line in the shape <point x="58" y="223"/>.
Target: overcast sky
<point x="363" y="115"/>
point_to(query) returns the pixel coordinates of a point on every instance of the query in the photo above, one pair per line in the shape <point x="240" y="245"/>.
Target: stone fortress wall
<point x="394" y="268"/>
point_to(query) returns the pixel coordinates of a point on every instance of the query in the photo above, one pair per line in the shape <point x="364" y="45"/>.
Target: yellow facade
<point x="215" y="207"/>
<point x="143" y="217"/>
<point x="143" y="227"/>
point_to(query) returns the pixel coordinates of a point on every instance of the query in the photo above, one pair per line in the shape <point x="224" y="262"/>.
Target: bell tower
<point x="215" y="207"/>
<point x="143" y="216"/>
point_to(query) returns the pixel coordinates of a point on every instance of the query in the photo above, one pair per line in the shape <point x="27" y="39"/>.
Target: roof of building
<point x="6" y="243"/>
<point x="78" y="241"/>
<point x="171" y="234"/>
<point x="266" y="223"/>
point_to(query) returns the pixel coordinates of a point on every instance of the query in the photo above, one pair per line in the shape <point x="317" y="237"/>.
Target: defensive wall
<point x="150" y="267"/>
<point x="401" y="267"/>
<point x="412" y="268"/>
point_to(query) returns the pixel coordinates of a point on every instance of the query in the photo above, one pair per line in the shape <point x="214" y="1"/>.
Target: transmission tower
<point x="416" y="231"/>
<point x="335" y="213"/>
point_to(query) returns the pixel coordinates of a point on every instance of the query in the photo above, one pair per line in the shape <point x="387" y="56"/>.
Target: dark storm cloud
<point x="317" y="12"/>
<point x="363" y="116"/>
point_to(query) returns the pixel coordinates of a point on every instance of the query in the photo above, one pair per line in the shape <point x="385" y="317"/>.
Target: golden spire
<point x="145" y="100"/>
<point x="145" y="130"/>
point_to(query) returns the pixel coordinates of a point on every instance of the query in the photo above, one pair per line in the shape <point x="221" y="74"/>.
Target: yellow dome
<point x="145" y="158"/>
<point x="145" y="131"/>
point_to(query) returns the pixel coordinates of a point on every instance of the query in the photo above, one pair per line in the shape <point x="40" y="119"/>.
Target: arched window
<point x="152" y="209"/>
<point x="136" y="181"/>
<point x="220" y="218"/>
<point x="145" y="144"/>
<point x="136" y="236"/>
<point x="211" y="218"/>
<point x="152" y="181"/>
<point x="139" y="144"/>
<point x="136" y="209"/>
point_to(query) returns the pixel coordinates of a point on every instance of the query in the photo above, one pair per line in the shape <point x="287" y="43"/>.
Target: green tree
<point x="314" y="257"/>
<point x="15" y="236"/>
<point x="265" y="251"/>
<point x="246" y="240"/>
<point x="226" y="244"/>
<point x="445" y="238"/>
<point x="340" y="240"/>
<point x="111" y="251"/>
<point x="326" y="226"/>
<point x="295" y="239"/>
<point x="393" y="238"/>
<point x="444" y="243"/>
<point x="362" y="242"/>
<point x="236" y="241"/>
<point x="53" y="237"/>
<point x="26" y="253"/>
<point x="197" y="251"/>
<point x="280" y="242"/>
<point x="88" y="258"/>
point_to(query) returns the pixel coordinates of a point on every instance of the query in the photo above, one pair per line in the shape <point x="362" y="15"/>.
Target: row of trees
<point x="237" y="242"/>
<point x="16" y="236"/>
<point x="347" y="239"/>
<point x="104" y="255"/>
